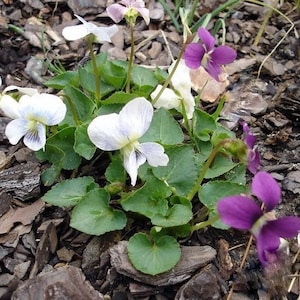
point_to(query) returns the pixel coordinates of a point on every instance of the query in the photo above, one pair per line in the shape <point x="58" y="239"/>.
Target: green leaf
<point x="163" y="129"/>
<point x="149" y="200"/>
<point x="49" y="175"/>
<point x="143" y="80"/>
<point x="83" y="145"/>
<point x="59" y="150"/>
<point x="93" y="215"/>
<point x="213" y="191"/>
<point x="87" y="81"/>
<point x="115" y="172"/>
<point x="221" y="133"/>
<point x="203" y="125"/>
<point x="177" y="215"/>
<point x="64" y="141"/>
<point x="109" y="109"/>
<point x="60" y="81"/>
<point x="181" y="231"/>
<point x="69" y="192"/>
<point x="51" y="153"/>
<point x="114" y="74"/>
<point x="181" y="172"/>
<point x="101" y="59"/>
<point x="83" y="105"/>
<point x="221" y="165"/>
<point x="153" y="257"/>
<point x="161" y="75"/>
<point x="119" y="98"/>
<point x="204" y="150"/>
<point x="237" y="174"/>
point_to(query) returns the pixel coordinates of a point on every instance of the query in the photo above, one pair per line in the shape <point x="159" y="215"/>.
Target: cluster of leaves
<point x="165" y="196"/>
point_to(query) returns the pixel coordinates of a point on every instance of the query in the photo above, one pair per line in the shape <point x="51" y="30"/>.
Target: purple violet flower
<point x="125" y="8"/>
<point x="253" y="155"/>
<point x="205" y="54"/>
<point x="242" y="212"/>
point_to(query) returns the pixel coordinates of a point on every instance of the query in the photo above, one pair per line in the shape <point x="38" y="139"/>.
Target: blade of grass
<point x="171" y="14"/>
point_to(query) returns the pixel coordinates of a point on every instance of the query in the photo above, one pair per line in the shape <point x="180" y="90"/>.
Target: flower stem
<point x="168" y="80"/>
<point x="204" y="224"/>
<point x="73" y="110"/>
<point x="130" y="59"/>
<point x="206" y="167"/>
<point x="96" y="73"/>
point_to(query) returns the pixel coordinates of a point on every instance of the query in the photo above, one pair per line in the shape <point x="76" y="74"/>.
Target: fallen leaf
<point x="208" y="87"/>
<point x="12" y="238"/>
<point x="239" y="65"/>
<point x="24" y="215"/>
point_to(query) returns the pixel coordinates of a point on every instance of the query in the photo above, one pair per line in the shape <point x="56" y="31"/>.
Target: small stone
<point x="84" y="7"/>
<point x="21" y="269"/>
<point x="141" y="56"/>
<point x="204" y="285"/>
<point x="65" y="254"/>
<point x="5" y="279"/>
<point x="174" y="37"/>
<point x="292" y="182"/>
<point x="116" y="54"/>
<point x="157" y="12"/>
<point x="155" y="50"/>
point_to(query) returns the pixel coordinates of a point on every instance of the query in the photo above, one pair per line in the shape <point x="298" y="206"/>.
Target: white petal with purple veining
<point x="35" y="138"/>
<point x="154" y="154"/>
<point x="15" y="130"/>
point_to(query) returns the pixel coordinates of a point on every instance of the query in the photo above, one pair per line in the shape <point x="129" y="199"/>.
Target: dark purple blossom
<point x="204" y="53"/>
<point x="242" y="212"/>
<point x="253" y="155"/>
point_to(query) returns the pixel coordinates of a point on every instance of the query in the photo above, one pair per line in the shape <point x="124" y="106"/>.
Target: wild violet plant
<point x="116" y="118"/>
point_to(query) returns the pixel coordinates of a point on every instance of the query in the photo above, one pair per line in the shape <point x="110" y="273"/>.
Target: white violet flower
<point x="182" y="95"/>
<point x="31" y="115"/>
<point x="76" y="32"/>
<point x="122" y="131"/>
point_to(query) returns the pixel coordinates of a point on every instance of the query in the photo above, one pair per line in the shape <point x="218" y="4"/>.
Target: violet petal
<point x="207" y="39"/>
<point x="193" y="55"/>
<point x="238" y="211"/>
<point x="223" y="55"/>
<point x="249" y="138"/>
<point x="213" y="70"/>
<point x="253" y="161"/>
<point x="116" y="12"/>
<point x="286" y="227"/>
<point x="266" y="242"/>
<point x="265" y="187"/>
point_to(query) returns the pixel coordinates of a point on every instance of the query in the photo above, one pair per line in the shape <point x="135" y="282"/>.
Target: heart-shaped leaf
<point x="181" y="172"/>
<point x="69" y="192"/>
<point x="177" y="215"/>
<point x="149" y="200"/>
<point x="163" y="129"/>
<point x="153" y="257"/>
<point x="93" y="215"/>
